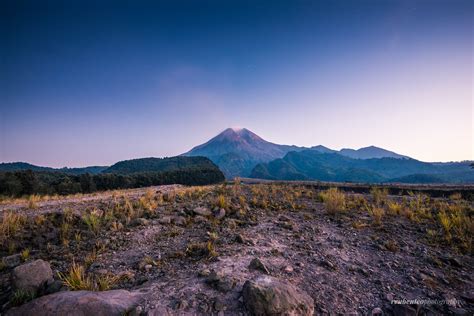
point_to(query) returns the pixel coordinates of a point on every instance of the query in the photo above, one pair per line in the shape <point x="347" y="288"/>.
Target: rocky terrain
<point x="237" y="249"/>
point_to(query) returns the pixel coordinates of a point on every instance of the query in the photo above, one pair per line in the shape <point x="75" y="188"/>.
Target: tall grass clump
<point x="334" y="200"/>
<point x="379" y="195"/>
<point x="77" y="279"/>
<point x="10" y="224"/>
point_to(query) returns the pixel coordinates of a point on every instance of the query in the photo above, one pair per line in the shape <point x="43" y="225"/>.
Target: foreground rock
<point x="31" y="276"/>
<point x="269" y="296"/>
<point x="116" y="302"/>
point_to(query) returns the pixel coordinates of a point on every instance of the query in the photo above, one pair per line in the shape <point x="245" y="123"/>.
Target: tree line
<point x="27" y="182"/>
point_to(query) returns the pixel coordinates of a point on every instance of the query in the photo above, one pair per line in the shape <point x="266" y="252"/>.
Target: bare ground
<point x="345" y="268"/>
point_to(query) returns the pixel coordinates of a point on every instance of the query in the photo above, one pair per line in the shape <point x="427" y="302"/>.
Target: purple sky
<point x="91" y="85"/>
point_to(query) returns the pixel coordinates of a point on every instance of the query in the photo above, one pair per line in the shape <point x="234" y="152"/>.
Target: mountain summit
<point x="237" y="150"/>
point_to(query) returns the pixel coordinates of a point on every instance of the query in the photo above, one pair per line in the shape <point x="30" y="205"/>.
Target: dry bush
<point x="334" y="200"/>
<point x="33" y="201"/>
<point x="221" y="202"/>
<point x="457" y="225"/>
<point x="10" y="225"/>
<point x="394" y="208"/>
<point x="93" y="221"/>
<point x="379" y="195"/>
<point x="376" y="212"/>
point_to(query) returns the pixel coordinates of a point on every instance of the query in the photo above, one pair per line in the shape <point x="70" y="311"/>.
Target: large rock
<point x="31" y="276"/>
<point x="268" y="296"/>
<point x="80" y="303"/>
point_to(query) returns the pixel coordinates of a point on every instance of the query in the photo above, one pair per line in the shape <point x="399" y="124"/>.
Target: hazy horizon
<point x="88" y="84"/>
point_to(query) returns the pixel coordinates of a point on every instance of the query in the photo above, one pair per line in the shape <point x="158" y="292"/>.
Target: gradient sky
<point x="87" y="84"/>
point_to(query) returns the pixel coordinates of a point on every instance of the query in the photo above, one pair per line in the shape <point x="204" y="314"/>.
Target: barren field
<point x="209" y="251"/>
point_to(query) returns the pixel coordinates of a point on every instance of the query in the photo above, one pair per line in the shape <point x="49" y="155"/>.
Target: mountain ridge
<point x="238" y="150"/>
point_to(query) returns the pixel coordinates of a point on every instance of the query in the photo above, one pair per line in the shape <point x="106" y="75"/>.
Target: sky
<point x="83" y="83"/>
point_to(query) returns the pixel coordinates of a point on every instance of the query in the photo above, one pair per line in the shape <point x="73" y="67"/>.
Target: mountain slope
<point x="179" y="163"/>
<point x="237" y="151"/>
<point x="314" y="165"/>
<point x="370" y="152"/>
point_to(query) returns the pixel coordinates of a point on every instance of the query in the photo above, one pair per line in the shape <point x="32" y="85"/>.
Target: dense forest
<point x="131" y="174"/>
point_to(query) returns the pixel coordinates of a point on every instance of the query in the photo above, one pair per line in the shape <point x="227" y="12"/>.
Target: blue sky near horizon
<point x="91" y="84"/>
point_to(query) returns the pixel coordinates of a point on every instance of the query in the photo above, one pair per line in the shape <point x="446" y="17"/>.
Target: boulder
<point x="80" y="303"/>
<point x="31" y="276"/>
<point x="202" y="211"/>
<point x="266" y="295"/>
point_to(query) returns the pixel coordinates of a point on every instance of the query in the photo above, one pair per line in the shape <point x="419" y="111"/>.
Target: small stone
<point x="204" y="273"/>
<point x="12" y="261"/>
<point x="220" y="282"/>
<point x="165" y="220"/>
<point x="200" y="219"/>
<point x="328" y="264"/>
<point x="180" y="221"/>
<point x="220" y="214"/>
<point x="148" y="267"/>
<point x="288" y="269"/>
<point x="389" y="297"/>
<point x="140" y="222"/>
<point x="376" y="311"/>
<point x="203" y="211"/>
<point x="257" y="264"/>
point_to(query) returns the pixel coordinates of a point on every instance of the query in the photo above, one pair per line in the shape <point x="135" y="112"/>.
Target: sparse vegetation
<point x="77" y="279"/>
<point x="334" y="200"/>
<point x="20" y="297"/>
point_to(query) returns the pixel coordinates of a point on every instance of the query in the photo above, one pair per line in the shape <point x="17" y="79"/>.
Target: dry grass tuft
<point x="334" y="200"/>
<point x="77" y="279"/>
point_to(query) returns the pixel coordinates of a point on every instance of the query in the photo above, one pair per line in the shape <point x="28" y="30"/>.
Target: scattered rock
<point x="12" y="261"/>
<point x="179" y="220"/>
<point x="53" y="286"/>
<point x="203" y="211"/>
<point x="220" y="281"/>
<point x="31" y="276"/>
<point x="140" y="222"/>
<point x="376" y="311"/>
<point x="204" y="273"/>
<point x="257" y="264"/>
<point x="268" y="296"/>
<point x="200" y="219"/>
<point x="288" y="269"/>
<point x="116" y="302"/>
<point x="328" y="264"/>
<point x="220" y="214"/>
<point x="165" y="220"/>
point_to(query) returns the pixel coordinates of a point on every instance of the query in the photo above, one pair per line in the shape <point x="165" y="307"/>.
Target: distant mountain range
<point x="18" y="166"/>
<point x="240" y="152"/>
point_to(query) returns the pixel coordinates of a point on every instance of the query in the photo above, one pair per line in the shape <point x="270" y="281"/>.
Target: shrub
<point x="394" y="208"/>
<point x="92" y="220"/>
<point x="33" y="201"/>
<point x="334" y="200"/>
<point x="11" y="223"/>
<point x="379" y="195"/>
